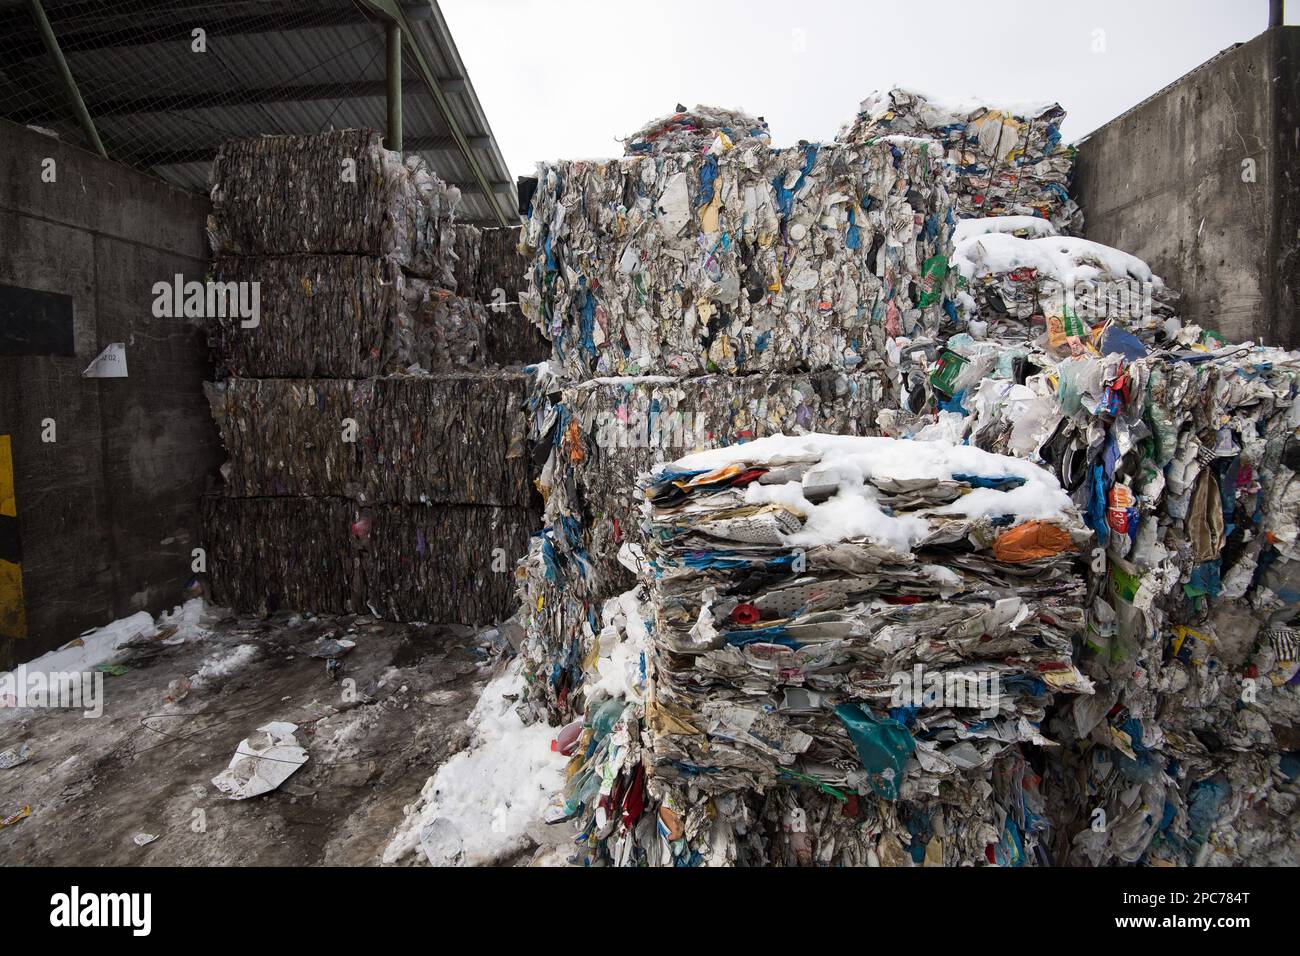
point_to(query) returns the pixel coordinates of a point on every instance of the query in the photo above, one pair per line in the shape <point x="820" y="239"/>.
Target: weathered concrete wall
<point x="1170" y="182"/>
<point x="108" y="513"/>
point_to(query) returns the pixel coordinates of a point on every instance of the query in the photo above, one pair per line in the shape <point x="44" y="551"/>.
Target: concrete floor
<point x="146" y="765"/>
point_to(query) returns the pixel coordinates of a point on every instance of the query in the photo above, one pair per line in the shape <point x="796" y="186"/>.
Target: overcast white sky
<point x="568" y="78"/>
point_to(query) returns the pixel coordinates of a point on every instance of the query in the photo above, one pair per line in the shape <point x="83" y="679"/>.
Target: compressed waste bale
<point x="615" y="429"/>
<point x="511" y="338"/>
<point x="831" y="627"/>
<point x="738" y="260"/>
<point x="272" y="554"/>
<point x="344" y="317"/>
<point x="469" y="242"/>
<point x="288" y="436"/>
<point x="332" y="193"/>
<point x="331" y="555"/>
<point x="443" y="563"/>
<point x="598" y="436"/>
<point x="449" y="437"/>
<point x="1182" y="457"/>
<point x="1008" y="158"/>
<point x="320" y="316"/>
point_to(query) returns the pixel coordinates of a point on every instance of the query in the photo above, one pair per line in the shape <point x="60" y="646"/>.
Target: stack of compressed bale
<point x="851" y="650"/>
<point x="1186" y="467"/>
<point x="704" y="290"/>
<point x="1009" y="159"/>
<point x="359" y="403"/>
<point x="1181" y="453"/>
<point x="489" y="271"/>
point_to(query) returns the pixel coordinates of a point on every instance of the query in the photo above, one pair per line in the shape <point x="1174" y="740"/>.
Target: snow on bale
<point x="851" y="640"/>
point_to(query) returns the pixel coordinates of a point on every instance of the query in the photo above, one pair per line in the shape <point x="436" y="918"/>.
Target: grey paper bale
<point x="511" y="338"/>
<point x="286" y="437"/>
<point x="271" y="554"/>
<point x="320" y="316"/>
<point x="448" y="438"/>
<point x="344" y="317"/>
<point x="331" y="193"/>
<point x="451" y="438"/>
<point x="439" y="563"/>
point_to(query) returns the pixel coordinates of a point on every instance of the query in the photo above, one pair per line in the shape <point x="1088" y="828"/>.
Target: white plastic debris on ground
<point x="262" y="762"/>
<point x="100" y="645"/>
<point x="486" y="803"/>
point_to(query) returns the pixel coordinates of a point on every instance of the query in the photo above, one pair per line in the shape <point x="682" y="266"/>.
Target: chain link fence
<point x="165" y="81"/>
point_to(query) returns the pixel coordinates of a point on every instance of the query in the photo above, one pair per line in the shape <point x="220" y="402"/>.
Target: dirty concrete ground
<point x="146" y="765"/>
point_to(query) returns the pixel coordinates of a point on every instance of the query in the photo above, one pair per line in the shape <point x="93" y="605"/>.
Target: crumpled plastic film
<point x="335" y="193"/>
<point x="453" y="438"/>
<point x="694" y="131"/>
<point x="839" y="669"/>
<point x="1009" y="158"/>
<point x="740" y="259"/>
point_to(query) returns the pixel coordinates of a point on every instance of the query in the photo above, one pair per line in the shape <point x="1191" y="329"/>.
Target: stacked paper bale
<point x="853" y="648"/>
<point x="600" y="435"/>
<point x="359" y="405"/>
<point x="1181" y="452"/>
<point x="448" y="438"/>
<point x="738" y="259"/>
<point x="707" y="275"/>
<point x="1008" y="158"/>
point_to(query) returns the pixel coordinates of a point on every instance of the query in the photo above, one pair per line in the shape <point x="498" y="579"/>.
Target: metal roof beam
<point x="200" y="101"/>
<point x="51" y="44"/>
<point x="205" y="154"/>
<point x="80" y="38"/>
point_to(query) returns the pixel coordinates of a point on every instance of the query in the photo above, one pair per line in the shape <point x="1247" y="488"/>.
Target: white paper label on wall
<point x="111" y="363"/>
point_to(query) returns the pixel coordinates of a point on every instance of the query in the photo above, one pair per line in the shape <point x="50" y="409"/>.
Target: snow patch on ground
<point x="223" y="663"/>
<point x="486" y="802"/>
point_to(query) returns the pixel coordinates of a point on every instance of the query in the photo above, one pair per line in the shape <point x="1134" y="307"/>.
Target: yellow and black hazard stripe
<point x="13" y="612"/>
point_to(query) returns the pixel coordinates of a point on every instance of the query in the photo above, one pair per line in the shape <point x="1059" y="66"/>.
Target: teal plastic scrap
<point x="883" y="746"/>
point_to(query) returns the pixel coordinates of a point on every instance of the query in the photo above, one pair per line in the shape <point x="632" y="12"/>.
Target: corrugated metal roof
<point x="270" y="66"/>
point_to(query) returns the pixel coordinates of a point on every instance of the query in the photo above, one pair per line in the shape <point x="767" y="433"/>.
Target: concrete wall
<point x="108" y="513"/>
<point x="1165" y="182"/>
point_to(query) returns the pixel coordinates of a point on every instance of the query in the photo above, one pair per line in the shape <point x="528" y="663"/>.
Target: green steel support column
<point x="69" y="84"/>
<point x="392" y="12"/>
<point x="394" y="138"/>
